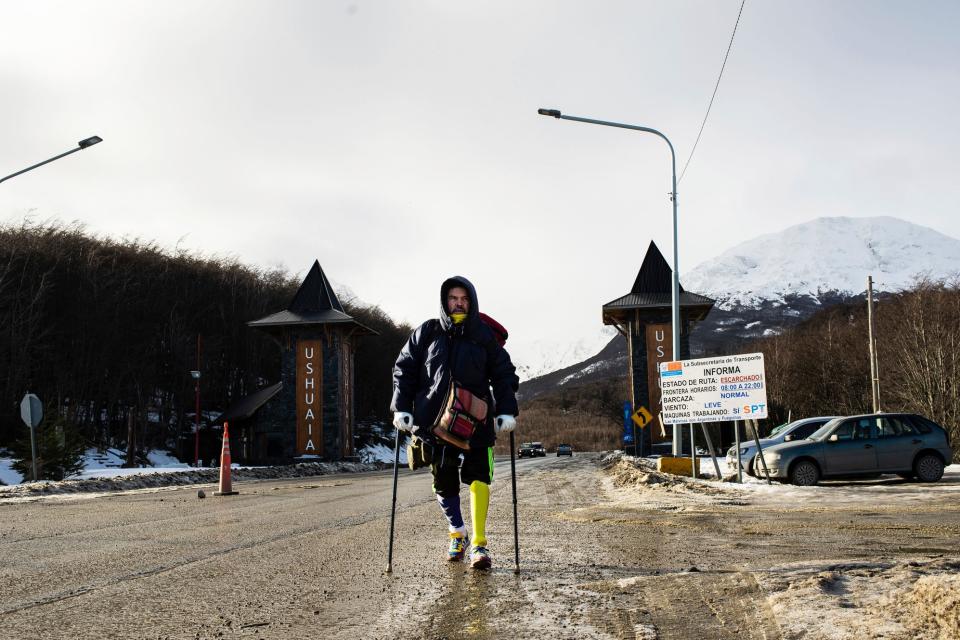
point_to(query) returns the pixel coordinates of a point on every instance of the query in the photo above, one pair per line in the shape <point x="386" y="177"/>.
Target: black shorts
<point x="448" y="470"/>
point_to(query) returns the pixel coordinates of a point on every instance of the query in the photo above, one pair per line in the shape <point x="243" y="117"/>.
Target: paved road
<point x="305" y="559"/>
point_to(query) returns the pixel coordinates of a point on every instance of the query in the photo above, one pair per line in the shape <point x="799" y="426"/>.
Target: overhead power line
<point x="717" y="86"/>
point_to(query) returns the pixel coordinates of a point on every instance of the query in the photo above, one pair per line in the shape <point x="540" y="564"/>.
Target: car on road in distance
<point x="564" y="450"/>
<point x="795" y="430"/>
<point x="531" y="450"/>
<point x="906" y="444"/>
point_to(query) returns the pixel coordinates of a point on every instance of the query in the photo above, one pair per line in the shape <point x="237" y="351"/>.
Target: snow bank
<point x="907" y="599"/>
<point x="125" y="479"/>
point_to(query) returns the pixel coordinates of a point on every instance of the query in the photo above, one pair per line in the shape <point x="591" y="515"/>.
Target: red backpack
<point x="499" y="331"/>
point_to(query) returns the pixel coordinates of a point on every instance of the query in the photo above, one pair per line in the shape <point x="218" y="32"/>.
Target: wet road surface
<point x="305" y="558"/>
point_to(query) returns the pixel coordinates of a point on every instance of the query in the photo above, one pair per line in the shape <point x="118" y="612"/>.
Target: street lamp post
<point x="83" y="144"/>
<point x="675" y="289"/>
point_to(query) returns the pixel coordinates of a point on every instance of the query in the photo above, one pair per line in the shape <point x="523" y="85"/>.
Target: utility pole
<point x="874" y="374"/>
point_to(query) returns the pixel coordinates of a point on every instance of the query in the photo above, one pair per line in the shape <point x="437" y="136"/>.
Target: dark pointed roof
<point x="315" y="293"/>
<point x="652" y="289"/>
<point x="248" y="405"/>
<point x="655" y="275"/>
<point x="314" y="303"/>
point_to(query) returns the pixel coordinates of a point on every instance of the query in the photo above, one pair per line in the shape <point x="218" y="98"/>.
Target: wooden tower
<point x="310" y="413"/>
<point x="643" y="317"/>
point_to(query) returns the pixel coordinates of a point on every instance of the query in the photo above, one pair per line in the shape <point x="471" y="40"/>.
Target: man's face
<point x="458" y="300"/>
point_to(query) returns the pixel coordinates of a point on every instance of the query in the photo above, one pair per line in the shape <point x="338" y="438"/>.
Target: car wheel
<point x="928" y="468"/>
<point x="804" y="474"/>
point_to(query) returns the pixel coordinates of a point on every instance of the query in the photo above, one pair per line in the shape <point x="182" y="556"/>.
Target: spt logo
<point x="671" y="369"/>
<point x="754" y="408"/>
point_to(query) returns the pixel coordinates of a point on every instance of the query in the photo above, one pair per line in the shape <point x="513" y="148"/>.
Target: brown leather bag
<point x="462" y="413"/>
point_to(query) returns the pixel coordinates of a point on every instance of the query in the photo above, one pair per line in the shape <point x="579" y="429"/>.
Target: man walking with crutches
<point x="450" y="380"/>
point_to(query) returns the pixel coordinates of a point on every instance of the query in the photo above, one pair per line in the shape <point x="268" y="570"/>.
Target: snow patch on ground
<point x="7" y="474"/>
<point x="907" y="599"/>
<point x="108" y="465"/>
<point x="102" y="464"/>
<point x="383" y="454"/>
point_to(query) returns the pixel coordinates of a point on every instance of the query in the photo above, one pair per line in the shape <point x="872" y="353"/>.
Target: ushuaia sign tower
<point x="309" y="413"/>
<point x="643" y="317"/>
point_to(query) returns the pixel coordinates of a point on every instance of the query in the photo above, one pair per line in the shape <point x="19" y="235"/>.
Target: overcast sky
<point x="398" y="142"/>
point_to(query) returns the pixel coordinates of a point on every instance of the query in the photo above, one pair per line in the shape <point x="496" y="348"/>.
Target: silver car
<point x="796" y="430"/>
<point x="903" y="443"/>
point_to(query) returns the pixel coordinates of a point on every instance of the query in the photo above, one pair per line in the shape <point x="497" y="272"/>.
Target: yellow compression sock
<point x="479" y="502"/>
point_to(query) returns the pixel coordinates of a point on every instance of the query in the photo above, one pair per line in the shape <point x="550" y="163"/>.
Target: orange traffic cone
<point x="226" y="488"/>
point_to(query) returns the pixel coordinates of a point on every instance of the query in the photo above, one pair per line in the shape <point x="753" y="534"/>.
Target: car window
<point x="891" y="427"/>
<point x="925" y="426"/>
<point x="866" y="428"/>
<point x="857" y="429"/>
<point x="826" y="429"/>
<point x="779" y="429"/>
<point x="805" y="431"/>
<point x="846" y="430"/>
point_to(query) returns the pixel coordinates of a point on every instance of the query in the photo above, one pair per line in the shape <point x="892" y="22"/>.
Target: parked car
<point x="564" y="450"/>
<point x="906" y="444"/>
<point x="796" y="430"/>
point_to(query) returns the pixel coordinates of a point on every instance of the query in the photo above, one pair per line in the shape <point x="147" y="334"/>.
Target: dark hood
<point x="473" y="314"/>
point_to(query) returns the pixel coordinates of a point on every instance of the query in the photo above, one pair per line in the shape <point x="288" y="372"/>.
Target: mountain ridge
<point x="774" y="281"/>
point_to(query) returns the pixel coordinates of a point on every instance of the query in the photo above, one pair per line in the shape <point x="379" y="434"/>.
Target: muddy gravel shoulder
<point x="614" y="549"/>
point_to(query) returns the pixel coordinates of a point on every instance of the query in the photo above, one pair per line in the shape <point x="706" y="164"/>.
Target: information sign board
<point x="714" y="389"/>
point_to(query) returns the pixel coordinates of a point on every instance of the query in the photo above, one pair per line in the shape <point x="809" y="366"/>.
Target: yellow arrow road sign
<point x="641" y="417"/>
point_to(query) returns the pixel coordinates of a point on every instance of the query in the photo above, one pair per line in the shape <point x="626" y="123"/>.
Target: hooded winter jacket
<point x="469" y="352"/>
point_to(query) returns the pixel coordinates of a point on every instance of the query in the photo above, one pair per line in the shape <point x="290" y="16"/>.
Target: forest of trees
<point x="822" y="367"/>
<point x="105" y="332"/>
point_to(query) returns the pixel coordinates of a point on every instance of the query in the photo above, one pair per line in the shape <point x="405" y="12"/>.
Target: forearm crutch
<point x="516" y="531"/>
<point x="393" y="506"/>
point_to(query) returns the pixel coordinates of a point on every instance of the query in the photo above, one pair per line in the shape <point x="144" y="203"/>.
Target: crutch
<point x="516" y="533"/>
<point x="393" y="506"/>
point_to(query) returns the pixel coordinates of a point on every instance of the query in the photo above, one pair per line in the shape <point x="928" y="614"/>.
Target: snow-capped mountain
<point x="538" y="357"/>
<point x="825" y="256"/>
<point x="767" y="284"/>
